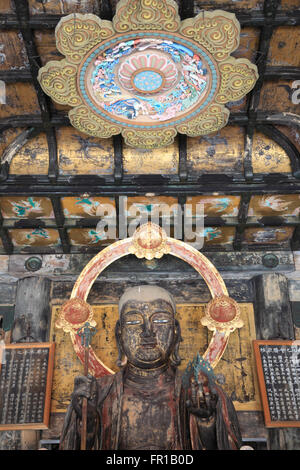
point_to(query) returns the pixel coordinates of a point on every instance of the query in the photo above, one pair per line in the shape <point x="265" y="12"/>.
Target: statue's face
<point x="147" y="332"/>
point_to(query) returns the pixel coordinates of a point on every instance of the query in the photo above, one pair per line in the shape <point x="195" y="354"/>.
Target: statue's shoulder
<point x="107" y="380"/>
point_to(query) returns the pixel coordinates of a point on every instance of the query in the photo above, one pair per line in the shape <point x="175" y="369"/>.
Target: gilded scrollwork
<point x="211" y="121"/>
<point x="85" y="121"/>
<point x="58" y="79"/>
<point x="149" y="139"/>
<point x="237" y="78"/>
<point x="217" y="31"/>
<point x="140" y="15"/>
<point x="76" y="34"/>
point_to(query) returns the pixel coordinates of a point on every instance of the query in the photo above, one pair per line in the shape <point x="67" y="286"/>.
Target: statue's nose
<point x="148" y="329"/>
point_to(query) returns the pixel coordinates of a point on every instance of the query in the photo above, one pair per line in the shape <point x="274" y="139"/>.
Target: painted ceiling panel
<point x="7" y="137"/>
<point x="63" y="7"/>
<point x="12" y="51"/>
<point x="46" y="46"/>
<point x="84" y="207"/>
<point x="32" y="158"/>
<point x="289" y="5"/>
<point x="218" y="235"/>
<point x="26" y="207"/>
<point x="6" y="6"/>
<point x="268" y="235"/>
<point x="249" y="40"/>
<point x="38" y="237"/>
<point x="157" y="161"/>
<point x="268" y="156"/>
<point x="285" y="46"/>
<point x="292" y="133"/>
<point x="20" y="99"/>
<point x="228" y="4"/>
<point x="276" y="96"/>
<point x="80" y="154"/>
<point x="279" y="204"/>
<point x="165" y="206"/>
<point x="217" y="153"/>
<point x="214" y="205"/>
<point x="88" y="236"/>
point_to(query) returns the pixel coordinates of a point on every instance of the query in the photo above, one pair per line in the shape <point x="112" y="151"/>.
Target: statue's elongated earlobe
<point x="175" y="358"/>
<point x="122" y="359"/>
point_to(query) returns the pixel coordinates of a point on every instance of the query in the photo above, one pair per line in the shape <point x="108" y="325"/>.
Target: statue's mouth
<point x="149" y="344"/>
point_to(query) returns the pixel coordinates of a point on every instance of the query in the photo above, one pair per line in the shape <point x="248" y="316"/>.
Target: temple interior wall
<point x="247" y="279"/>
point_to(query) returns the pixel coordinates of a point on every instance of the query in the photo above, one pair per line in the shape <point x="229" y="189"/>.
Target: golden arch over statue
<point x="150" y="241"/>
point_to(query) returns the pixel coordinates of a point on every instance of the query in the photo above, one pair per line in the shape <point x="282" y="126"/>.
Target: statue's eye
<point x="133" y="322"/>
<point x="160" y="320"/>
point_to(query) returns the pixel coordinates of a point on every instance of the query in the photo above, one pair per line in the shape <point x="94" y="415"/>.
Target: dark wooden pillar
<point x="32" y="324"/>
<point x="32" y="310"/>
<point x="273" y="317"/>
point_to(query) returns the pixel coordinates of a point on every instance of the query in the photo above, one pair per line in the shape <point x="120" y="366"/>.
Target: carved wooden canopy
<point x="147" y="74"/>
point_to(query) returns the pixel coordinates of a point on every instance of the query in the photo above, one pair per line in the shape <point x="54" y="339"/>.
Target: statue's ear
<point x="175" y="358"/>
<point x="122" y="359"/>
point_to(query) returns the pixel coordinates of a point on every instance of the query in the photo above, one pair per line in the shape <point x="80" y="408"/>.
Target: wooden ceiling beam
<point x="251" y="18"/>
<point x="23" y="16"/>
<point x="31" y="186"/>
<point x="269" y="11"/>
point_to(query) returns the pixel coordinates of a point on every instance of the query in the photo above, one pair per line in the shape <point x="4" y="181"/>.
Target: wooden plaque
<point x="278" y="367"/>
<point x="26" y="371"/>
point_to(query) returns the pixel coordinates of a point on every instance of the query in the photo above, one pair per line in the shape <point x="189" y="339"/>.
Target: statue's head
<point x="147" y="332"/>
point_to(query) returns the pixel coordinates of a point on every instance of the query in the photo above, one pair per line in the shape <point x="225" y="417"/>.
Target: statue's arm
<point x="213" y="418"/>
<point x="84" y="387"/>
<point x="202" y="408"/>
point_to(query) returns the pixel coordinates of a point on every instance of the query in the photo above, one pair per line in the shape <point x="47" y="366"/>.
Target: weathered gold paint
<point x="46" y="46"/>
<point x="268" y="156"/>
<point x="276" y="96"/>
<point x="13" y="51"/>
<point x="289" y="5"/>
<point x="237" y="364"/>
<point x="20" y="99"/>
<point x="285" y="46"/>
<point x="163" y="205"/>
<point x="22" y="237"/>
<point x="249" y="39"/>
<point x="279" y="204"/>
<point x="292" y="133"/>
<point x="227" y="4"/>
<point x="88" y="236"/>
<point x="63" y="7"/>
<point x="217" y="153"/>
<point x="80" y="154"/>
<point x="214" y="205"/>
<point x="156" y="161"/>
<point x="7" y="137"/>
<point x="6" y="6"/>
<point x="43" y="204"/>
<point x="32" y="158"/>
<point x="268" y="235"/>
<point x="85" y="206"/>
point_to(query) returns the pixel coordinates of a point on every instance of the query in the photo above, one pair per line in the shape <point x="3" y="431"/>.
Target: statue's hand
<point x="202" y="400"/>
<point x="84" y="387"/>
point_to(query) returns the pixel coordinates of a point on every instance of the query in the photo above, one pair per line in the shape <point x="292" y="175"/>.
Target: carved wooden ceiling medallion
<point x="147" y="74"/>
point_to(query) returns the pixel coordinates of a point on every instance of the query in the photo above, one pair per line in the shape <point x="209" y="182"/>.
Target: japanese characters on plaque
<point x="25" y="385"/>
<point x="278" y="366"/>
